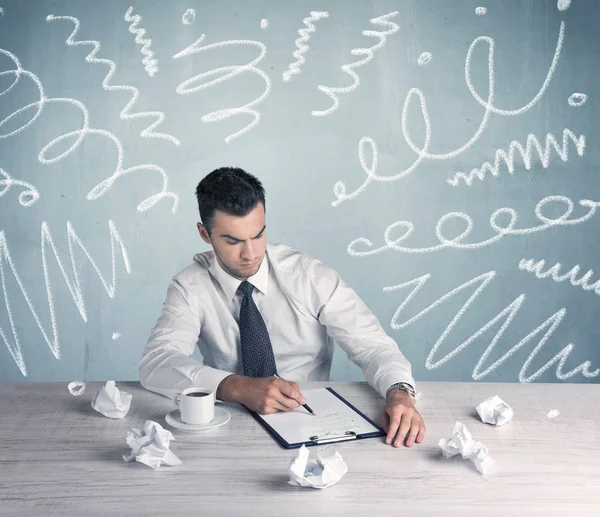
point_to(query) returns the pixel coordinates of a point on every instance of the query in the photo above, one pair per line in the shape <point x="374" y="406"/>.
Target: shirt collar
<point x="230" y="285"/>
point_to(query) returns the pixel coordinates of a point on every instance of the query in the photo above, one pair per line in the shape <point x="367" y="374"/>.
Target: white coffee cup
<point x="196" y="405"/>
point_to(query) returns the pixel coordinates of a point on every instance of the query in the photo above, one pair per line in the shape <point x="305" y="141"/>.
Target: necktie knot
<point x="246" y="288"/>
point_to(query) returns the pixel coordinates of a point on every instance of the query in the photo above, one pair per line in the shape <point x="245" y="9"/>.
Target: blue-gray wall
<point x="79" y="165"/>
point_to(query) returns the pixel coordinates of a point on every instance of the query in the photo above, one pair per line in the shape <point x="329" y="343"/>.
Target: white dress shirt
<point x="306" y="306"/>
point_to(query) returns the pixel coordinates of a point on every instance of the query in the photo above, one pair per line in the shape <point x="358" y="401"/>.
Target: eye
<point x="232" y="243"/>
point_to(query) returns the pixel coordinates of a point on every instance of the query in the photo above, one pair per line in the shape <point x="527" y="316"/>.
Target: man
<point x="257" y="310"/>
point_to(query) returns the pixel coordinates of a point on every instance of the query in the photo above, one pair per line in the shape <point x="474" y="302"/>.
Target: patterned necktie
<point x="257" y="353"/>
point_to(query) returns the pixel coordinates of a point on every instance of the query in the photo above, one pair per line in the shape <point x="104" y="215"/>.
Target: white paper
<point x="331" y="416"/>
<point x="462" y="443"/>
<point x="111" y="402"/>
<point x="151" y="446"/>
<point x="495" y="411"/>
<point x="323" y="472"/>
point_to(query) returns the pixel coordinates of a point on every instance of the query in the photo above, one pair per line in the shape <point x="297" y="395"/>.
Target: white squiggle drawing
<point x="340" y="188"/>
<point x="302" y="47"/>
<point x="116" y="335"/>
<point x="501" y="231"/>
<point x="222" y="74"/>
<point x="135" y="93"/>
<point x="1" y="13"/>
<point x="423" y="152"/>
<point x="76" y="388"/>
<point x="537" y="268"/>
<point x="26" y="198"/>
<point x="74" y="284"/>
<point x="149" y="61"/>
<point x="369" y="54"/>
<point x="77" y="137"/>
<point x="188" y="16"/>
<point x="264" y="24"/>
<point x="553" y="413"/>
<point x="424" y="59"/>
<point x="512" y="113"/>
<point x="563" y="5"/>
<point x="577" y="99"/>
<point x="508" y="314"/>
<point x="480" y="11"/>
<point x="508" y="158"/>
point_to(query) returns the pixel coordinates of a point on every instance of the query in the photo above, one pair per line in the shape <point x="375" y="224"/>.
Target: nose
<point x="249" y="251"/>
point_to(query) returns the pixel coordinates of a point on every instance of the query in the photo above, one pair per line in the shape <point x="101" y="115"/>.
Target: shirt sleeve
<point x="351" y="324"/>
<point x="167" y="367"/>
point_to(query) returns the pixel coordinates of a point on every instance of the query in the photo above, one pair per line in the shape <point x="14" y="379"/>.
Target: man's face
<point x="239" y="242"/>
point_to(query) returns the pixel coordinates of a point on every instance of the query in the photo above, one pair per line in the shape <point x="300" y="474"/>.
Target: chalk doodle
<point x="188" y="16"/>
<point x="527" y="153"/>
<point x="73" y="284"/>
<point x="149" y="62"/>
<point x="302" y="47"/>
<point x="76" y="137"/>
<point x="76" y="388"/>
<point x="224" y="73"/>
<point x="505" y="317"/>
<point x="27" y="197"/>
<point x="537" y="268"/>
<point x="424" y="59"/>
<point x="577" y="99"/>
<point x="264" y="24"/>
<point x="369" y="54"/>
<point x="393" y="243"/>
<point x="423" y="152"/>
<point x="135" y="93"/>
<point x="480" y="11"/>
<point x="563" y="5"/>
<point x="115" y="336"/>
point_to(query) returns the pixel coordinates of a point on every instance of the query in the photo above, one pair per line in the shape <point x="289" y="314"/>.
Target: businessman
<point x="256" y="310"/>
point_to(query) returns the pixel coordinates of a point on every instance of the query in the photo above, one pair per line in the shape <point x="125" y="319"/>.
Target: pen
<point x="305" y="406"/>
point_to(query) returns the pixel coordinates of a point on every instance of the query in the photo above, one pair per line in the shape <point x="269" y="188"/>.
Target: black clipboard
<point x="325" y="439"/>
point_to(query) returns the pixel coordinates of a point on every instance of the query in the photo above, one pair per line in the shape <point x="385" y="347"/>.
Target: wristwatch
<point x="404" y="386"/>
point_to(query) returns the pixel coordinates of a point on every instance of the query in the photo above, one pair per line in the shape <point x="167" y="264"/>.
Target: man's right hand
<point x="265" y="395"/>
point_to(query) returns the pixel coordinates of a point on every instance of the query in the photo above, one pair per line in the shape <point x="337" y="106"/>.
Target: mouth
<point x="249" y="265"/>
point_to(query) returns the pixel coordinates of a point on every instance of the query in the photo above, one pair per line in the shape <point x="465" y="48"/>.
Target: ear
<point x="203" y="233"/>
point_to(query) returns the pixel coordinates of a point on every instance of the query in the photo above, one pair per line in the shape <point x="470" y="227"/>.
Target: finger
<point x="292" y="390"/>
<point x="414" y="429"/>
<point x="421" y="434"/>
<point x="273" y="406"/>
<point x="404" y="427"/>
<point x="393" y="428"/>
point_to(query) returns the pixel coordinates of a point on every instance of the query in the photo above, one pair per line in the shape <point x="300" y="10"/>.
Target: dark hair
<point x="228" y="189"/>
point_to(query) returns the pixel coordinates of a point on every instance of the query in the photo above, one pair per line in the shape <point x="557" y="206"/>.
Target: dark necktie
<point x="257" y="353"/>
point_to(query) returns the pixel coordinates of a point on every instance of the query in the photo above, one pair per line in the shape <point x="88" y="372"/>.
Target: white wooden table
<point x="59" y="456"/>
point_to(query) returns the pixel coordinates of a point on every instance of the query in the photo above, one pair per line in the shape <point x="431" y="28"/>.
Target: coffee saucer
<point x="222" y="416"/>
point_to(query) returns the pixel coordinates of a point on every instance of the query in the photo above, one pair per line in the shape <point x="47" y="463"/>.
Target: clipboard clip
<point x="330" y="437"/>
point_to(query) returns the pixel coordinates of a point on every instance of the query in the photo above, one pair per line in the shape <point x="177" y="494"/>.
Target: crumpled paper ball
<point x="111" y="402"/>
<point x="151" y="446"/>
<point x="462" y="443"/>
<point x="495" y="411"/>
<point x="323" y="472"/>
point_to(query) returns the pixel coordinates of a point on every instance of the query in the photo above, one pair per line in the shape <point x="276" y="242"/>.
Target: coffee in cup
<point x="196" y="405"/>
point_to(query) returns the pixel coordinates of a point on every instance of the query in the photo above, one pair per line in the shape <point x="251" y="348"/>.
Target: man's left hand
<point x="401" y="420"/>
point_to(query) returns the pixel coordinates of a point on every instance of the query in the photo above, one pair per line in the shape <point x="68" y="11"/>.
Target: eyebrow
<point x="227" y="236"/>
